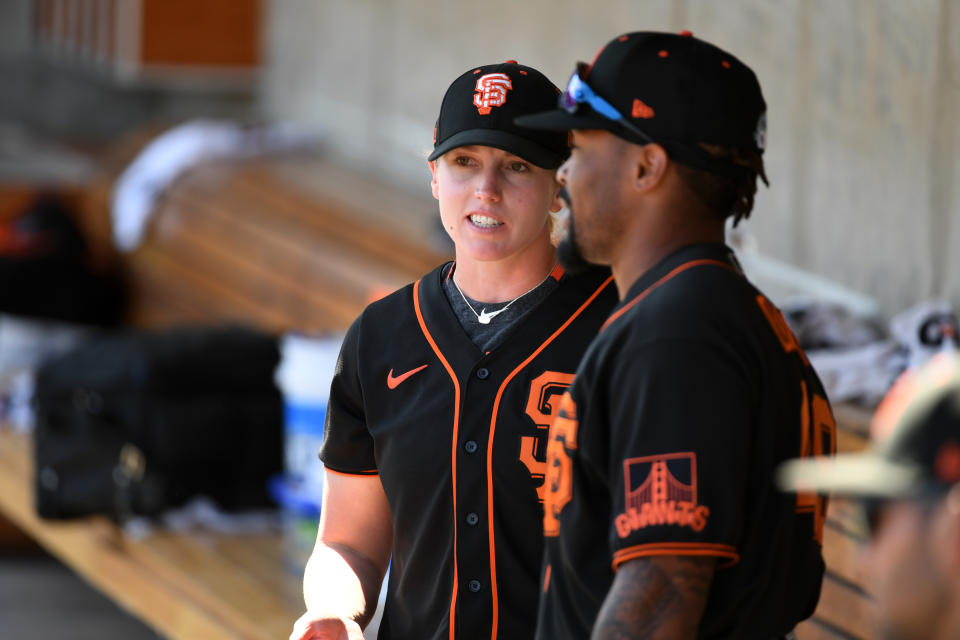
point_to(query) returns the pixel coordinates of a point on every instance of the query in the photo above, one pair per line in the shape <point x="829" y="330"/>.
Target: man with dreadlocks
<point x="662" y="519"/>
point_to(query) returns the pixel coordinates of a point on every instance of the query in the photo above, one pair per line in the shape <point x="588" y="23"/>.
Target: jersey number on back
<point x="818" y="437"/>
<point x="817" y="426"/>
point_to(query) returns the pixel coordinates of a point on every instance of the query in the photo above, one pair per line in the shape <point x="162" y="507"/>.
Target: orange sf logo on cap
<point x="491" y="91"/>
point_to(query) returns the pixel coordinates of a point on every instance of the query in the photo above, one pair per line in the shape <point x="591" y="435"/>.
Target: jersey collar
<point x="714" y="254"/>
<point x="703" y="251"/>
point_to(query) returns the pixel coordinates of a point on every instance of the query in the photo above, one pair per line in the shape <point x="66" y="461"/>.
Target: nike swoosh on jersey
<point x="394" y="382"/>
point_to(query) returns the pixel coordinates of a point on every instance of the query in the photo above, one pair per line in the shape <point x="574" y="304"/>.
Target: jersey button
<point x="474" y="585"/>
<point x="472" y="518"/>
<point x="483" y="373"/>
<point x="470" y="446"/>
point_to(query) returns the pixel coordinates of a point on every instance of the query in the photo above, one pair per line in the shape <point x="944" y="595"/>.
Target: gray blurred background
<point x="863" y="97"/>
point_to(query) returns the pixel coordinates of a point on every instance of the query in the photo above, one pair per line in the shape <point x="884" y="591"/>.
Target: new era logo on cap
<point x="480" y="106"/>
<point x="641" y="110"/>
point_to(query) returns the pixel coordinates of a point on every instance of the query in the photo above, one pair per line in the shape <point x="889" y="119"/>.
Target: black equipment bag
<point x="47" y="271"/>
<point x="138" y="422"/>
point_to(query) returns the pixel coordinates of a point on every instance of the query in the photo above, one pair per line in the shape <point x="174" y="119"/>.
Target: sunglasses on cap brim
<point x="579" y="93"/>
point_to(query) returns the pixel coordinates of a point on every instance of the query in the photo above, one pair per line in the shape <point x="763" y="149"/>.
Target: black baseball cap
<point x="674" y="89"/>
<point x="916" y="443"/>
<point x="480" y="108"/>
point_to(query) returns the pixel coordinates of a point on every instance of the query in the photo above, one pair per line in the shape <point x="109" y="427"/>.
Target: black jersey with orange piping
<point x="691" y="395"/>
<point x="458" y="439"/>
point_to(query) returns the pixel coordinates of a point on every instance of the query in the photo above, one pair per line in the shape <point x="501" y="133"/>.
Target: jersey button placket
<point x="471" y="476"/>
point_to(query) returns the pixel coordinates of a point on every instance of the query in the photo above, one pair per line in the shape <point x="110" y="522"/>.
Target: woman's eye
<point x="518" y="166"/>
<point x="463" y="161"/>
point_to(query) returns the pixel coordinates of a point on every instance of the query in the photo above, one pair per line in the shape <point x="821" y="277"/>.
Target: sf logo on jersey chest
<point x="543" y="405"/>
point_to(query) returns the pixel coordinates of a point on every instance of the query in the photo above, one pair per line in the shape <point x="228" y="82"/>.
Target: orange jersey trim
<point x="354" y="474"/>
<point x="493" y="428"/>
<point x="643" y="294"/>
<point x="557" y="272"/>
<point x="677" y="549"/>
<point x="453" y="449"/>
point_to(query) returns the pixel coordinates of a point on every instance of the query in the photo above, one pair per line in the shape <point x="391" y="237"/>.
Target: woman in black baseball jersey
<point x="444" y="391"/>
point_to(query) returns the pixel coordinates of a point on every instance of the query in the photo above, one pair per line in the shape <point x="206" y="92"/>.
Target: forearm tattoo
<point x="657" y="597"/>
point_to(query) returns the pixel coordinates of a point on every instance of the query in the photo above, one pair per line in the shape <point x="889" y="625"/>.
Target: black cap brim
<point x="586" y="119"/>
<point x="560" y="120"/>
<point x="517" y="145"/>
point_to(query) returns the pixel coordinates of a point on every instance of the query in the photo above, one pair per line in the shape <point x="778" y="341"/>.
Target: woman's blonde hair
<point x="558" y="225"/>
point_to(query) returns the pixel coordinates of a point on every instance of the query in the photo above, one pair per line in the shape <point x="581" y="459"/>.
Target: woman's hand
<point x="311" y="626"/>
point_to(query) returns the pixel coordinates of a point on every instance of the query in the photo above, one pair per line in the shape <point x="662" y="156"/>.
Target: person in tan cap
<point x="908" y="483"/>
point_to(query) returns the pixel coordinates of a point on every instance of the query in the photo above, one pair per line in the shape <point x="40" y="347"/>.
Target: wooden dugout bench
<point x="290" y="243"/>
<point x="846" y="609"/>
<point x="202" y="585"/>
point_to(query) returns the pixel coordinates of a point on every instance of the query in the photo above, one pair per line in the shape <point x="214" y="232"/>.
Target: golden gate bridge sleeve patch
<point x="661" y="490"/>
<point x="661" y="493"/>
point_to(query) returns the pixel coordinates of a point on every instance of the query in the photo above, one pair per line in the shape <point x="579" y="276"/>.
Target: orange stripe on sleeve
<point x="677" y="549"/>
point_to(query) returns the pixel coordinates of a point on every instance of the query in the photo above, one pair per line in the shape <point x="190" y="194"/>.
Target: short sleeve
<point x="680" y="442"/>
<point x="347" y="444"/>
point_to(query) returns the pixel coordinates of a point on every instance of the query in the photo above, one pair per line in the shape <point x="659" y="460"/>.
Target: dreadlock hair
<point x="725" y="195"/>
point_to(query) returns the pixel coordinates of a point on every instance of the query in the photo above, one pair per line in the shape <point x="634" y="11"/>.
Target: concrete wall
<point x="863" y="102"/>
<point x="15" y="16"/>
<point x="59" y="92"/>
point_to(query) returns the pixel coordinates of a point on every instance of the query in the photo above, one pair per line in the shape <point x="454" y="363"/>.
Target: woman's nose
<point x="488" y="186"/>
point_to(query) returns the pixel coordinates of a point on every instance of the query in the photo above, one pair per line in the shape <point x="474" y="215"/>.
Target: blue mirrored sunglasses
<point x="579" y="92"/>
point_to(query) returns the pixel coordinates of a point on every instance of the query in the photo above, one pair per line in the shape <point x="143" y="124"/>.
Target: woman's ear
<point x="434" y="187"/>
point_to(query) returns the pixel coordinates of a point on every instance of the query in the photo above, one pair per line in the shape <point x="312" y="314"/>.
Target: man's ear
<point x="558" y="202"/>
<point x="650" y="166"/>
<point x="434" y="187"/>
